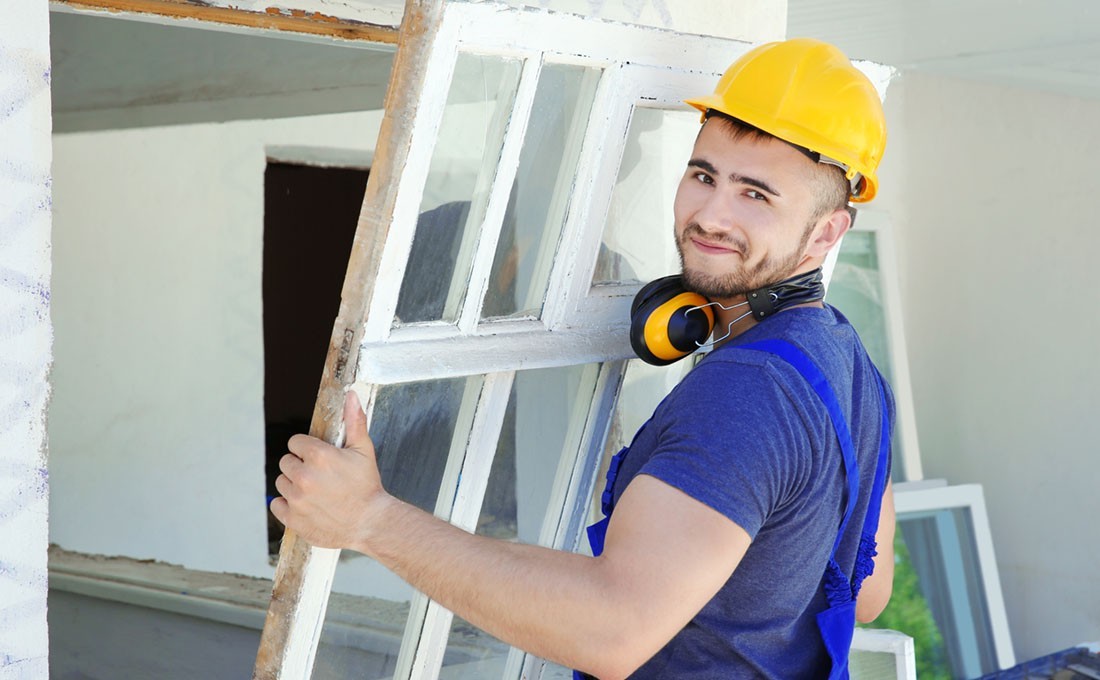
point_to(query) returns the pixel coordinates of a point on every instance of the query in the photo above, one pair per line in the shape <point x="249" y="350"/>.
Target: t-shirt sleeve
<point x="732" y="439"/>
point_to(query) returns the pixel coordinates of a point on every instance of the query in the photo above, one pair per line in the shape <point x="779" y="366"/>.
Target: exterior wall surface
<point x="993" y="192"/>
<point x="749" y="21"/>
<point x="156" y="421"/>
<point x="25" y="335"/>
<point x="760" y="20"/>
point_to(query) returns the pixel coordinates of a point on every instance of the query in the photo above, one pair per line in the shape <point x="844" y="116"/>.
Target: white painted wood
<point x="462" y="490"/>
<point x="318" y="571"/>
<point x="475" y="462"/>
<point x="301" y="649"/>
<point x="421" y="605"/>
<point x="477" y="231"/>
<point x="572" y="491"/>
<point x="405" y="362"/>
<point x="638" y="86"/>
<point x="480" y="451"/>
<point x="969" y="497"/>
<point x="597" y="334"/>
<point x="899" y="353"/>
<point x="505" y="175"/>
<point x="889" y="642"/>
<point x="553" y="236"/>
<point x="429" y="115"/>
<point x="602" y="148"/>
<point x="505" y="28"/>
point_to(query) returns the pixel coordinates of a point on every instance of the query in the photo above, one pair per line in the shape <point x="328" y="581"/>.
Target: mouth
<point x="711" y="248"/>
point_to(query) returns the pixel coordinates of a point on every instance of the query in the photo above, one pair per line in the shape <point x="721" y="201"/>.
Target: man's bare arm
<point x="665" y="557"/>
<point x="877" y="587"/>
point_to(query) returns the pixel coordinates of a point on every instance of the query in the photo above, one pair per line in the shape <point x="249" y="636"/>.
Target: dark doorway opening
<point x="310" y="215"/>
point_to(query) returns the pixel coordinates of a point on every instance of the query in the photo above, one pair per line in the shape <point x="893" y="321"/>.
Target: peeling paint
<point x="347" y="25"/>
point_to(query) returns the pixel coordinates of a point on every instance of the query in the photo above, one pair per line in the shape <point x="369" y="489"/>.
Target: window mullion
<point x="566" y="530"/>
<point x="410" y="190"/>
<point x="598" y="161"/>
<point x="464" y="486"/>
<point x="481" y="268"/>
<point x="899" y="355"/>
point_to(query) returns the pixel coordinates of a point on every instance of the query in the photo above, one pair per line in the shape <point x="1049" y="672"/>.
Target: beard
<point x="741" y="280"/>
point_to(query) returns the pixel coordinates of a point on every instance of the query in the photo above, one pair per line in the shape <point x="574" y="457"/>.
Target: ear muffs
<point x="661" y="330"/>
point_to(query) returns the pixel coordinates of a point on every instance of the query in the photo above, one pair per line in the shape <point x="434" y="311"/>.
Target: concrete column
<point x="25" y="335"/>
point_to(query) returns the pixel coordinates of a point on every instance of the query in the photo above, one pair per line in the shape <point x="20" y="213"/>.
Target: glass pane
<point x="538" y="444"/>
<point x="463" y="165"/>
<point x="413" y="427"/>
<point x="939" y="597"/>
<point x="644" y="386"/>
<point x="864" y="665"/>
<point x="637" y="242"/>
<point x="856" y="290"/>
<point x="540" y="194"/>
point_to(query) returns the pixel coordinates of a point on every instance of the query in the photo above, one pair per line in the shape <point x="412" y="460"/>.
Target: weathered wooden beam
<point x="273" y="18"/>
<point x="304" y="574"/>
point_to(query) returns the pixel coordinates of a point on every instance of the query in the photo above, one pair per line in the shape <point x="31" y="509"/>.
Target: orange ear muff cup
<point x="661" y="329"/>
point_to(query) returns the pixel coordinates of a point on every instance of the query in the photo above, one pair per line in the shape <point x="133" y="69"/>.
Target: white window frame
<point x="576" y="326"/>
<point x="931" y="496"/>
<point x="877" y="222"/>
<point x="888" y="642"/>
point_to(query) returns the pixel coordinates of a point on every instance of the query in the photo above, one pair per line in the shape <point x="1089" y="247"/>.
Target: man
<point x="726" y="509"/>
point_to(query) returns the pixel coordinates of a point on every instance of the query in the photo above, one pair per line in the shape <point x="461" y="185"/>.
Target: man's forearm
<point x="560" y="606"/>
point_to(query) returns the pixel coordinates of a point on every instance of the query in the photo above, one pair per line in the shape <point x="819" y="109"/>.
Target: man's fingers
<point x="290" y="464"/>
<point x="280" y="508"/>
<point x="284" y="486"/>
<point x="302" y="444"/>
<point x="355" y="424"/>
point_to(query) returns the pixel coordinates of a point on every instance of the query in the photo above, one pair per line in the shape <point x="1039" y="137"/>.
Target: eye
<point x="704" y="178"/>
<point x="756" y="195"/>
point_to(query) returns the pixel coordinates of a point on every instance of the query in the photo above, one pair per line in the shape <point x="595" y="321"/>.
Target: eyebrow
<point x="733" y="176"/>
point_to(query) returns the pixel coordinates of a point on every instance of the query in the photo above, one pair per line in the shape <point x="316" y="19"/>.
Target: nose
<point x="715" y="214"/>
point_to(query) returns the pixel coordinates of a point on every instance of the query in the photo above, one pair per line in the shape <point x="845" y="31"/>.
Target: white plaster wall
<point x="156" y="423"/>
<point x="993" y="193"/>
<point x="740" y="20"/>
<point x="25" y="336"/>
<point x="755" y="20"/>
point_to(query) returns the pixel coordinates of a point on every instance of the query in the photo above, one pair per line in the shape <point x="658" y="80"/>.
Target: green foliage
<point x="908" y="612"/>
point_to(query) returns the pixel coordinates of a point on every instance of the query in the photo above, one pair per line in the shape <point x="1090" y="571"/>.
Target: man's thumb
<point x="355" y="423"/>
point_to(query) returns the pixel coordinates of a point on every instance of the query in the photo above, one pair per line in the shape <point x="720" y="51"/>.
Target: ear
<point x="828" y="232"/>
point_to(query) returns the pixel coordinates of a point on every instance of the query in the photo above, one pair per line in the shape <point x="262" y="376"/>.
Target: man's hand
<point x="329" y="494"/>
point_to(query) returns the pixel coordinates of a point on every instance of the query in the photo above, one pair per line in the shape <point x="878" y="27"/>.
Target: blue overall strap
<point x="865" y="555"/>
<point x="837" y="622"/>
<point x="598" y="531"/>
<point x="813" y="375"/>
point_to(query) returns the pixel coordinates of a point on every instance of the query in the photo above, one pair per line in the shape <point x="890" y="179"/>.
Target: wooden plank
<point x="274" y="18"/>
<point x="298" y="597"/>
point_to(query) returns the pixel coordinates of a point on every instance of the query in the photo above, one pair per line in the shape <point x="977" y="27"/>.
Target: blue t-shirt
<point x="745" y="434"/>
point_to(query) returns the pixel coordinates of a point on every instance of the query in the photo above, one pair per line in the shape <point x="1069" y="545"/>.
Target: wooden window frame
<point x="576" y="326"/>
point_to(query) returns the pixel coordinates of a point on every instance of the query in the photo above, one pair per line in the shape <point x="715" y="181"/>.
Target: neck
<point x="741" y="313"/>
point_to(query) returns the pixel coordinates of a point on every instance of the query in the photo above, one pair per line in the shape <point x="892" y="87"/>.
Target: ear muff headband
<point x="661" y="329"/>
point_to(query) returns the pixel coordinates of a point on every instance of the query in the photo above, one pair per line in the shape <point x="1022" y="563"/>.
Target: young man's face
<point x="744" y="212"/>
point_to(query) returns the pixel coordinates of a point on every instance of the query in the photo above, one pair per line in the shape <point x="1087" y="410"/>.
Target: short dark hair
<point x="830" y="185"/>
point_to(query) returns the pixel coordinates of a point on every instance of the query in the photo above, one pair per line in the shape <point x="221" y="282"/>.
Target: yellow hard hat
<point x="807" y="93"/>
